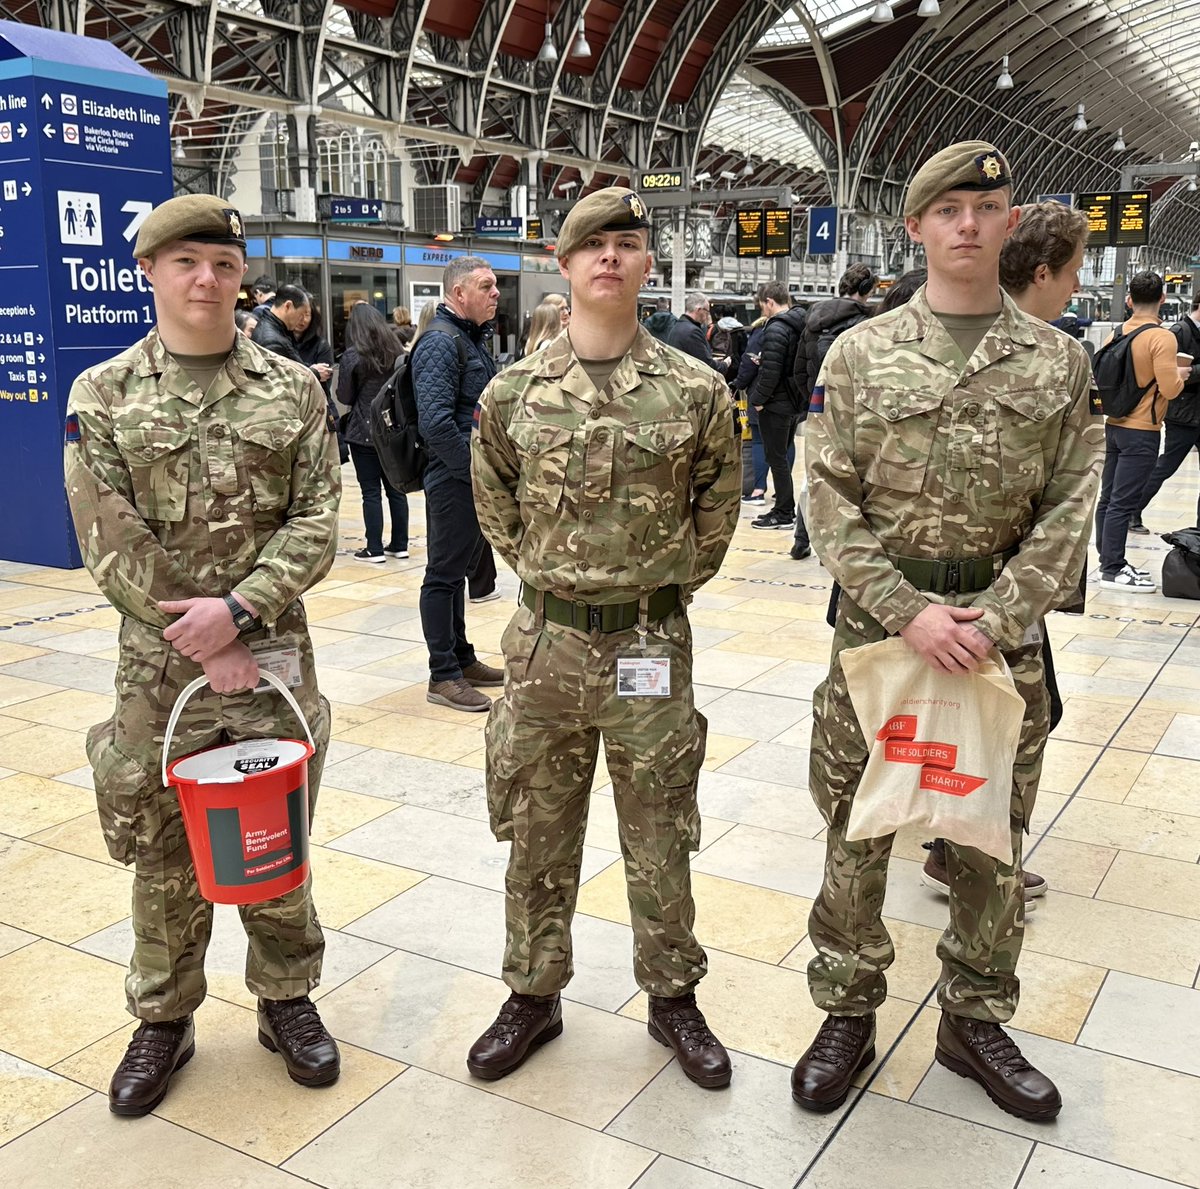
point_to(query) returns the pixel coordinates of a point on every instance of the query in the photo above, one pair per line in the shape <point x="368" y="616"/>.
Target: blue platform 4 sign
<point x="84" y="158"/>
<point x="355" y="210"/>
<point x="822" y="230"/>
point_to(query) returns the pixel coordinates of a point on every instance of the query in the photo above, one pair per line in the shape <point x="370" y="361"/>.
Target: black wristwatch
<point x="242" y="619"/>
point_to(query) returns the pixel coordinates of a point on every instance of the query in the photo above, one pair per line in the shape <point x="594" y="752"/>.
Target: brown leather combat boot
<point x="843" y="1046"/>
<point x="984" y="1052"/>
<point x="156" y="1051"/>
<point x="525" y="1023"/>
<point x="293" y="1029"/>
<point x="680" y="1025"/>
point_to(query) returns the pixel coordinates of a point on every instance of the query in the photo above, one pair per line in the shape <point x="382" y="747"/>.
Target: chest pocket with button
<point x="545" y="450"/>
<point x="655" y="463"/>
<point x="268" y="449"/>
<point x="158" y="458"/>
<point x="1027" y="424"/>
<point x="894" y="437"/>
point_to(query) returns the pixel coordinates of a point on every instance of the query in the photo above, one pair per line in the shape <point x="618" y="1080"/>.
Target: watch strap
<point x="243" y="620"/>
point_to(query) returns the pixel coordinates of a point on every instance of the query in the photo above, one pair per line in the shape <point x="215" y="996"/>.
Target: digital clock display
<point x="665" y="179"/>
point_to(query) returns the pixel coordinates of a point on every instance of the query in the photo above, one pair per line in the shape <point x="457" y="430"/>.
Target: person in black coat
<point x="777" y="398"/>
<point x="689" y="332"/>
<point x="278" y="325"/>
<point x="451" y="365"/>
<point x="371" y="355"/>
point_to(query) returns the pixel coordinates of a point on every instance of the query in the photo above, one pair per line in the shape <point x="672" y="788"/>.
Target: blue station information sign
<point x="355" y="210"/>
<point x="84" y="157"/>
<point x="822" y="230"/>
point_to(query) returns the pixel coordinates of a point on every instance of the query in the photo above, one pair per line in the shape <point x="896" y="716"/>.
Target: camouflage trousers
<point x="142" y="824"/>
<point x="560" y="698"/>
<point x="981" y="945"/>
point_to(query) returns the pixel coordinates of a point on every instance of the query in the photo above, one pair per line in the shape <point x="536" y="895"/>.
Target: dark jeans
<point x="371" y="480"/>
<point x="453" y="536"/>
<point x="778" y="436"/>
<point x="1129" y="458"/>
<point x="481" y="577"/>
<point x="1179" y="440"/>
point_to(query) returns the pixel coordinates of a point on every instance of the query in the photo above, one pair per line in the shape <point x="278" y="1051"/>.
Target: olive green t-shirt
<point x="203" y="369"/>
<point x="967" y="330"/>
<point x="600" y="370"/>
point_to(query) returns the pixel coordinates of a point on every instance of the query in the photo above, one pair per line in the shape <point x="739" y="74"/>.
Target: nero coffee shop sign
<point x="85" y="155"/>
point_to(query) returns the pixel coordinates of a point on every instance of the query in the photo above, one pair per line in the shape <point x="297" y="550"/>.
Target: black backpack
<point x="826" y="337"/>
<point x="393" y="420"/>
<point x="1120" y="393"/>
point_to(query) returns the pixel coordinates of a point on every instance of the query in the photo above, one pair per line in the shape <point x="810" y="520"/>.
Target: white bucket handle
<point x="191" y="688"/>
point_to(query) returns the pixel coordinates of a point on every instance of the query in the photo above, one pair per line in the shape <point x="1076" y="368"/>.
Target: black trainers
<point x="1136" y="526"/>
<point x="364" y="554"/>
<point x="799" y="552"/>
<point x="774" y="519"/>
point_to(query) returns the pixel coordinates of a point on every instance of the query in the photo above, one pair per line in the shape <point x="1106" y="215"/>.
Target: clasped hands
<point x="205" y="632"/>
<point x="945" y="638"/>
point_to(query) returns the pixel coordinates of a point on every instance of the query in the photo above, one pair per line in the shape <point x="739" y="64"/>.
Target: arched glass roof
<point x="750" y="121"/>
<point x="830" y="17"/>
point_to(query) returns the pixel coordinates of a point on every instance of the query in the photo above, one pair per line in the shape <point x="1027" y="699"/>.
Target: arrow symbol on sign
<point x="139" y="210"/>
<point x="41" y="359"/>
<point x="41" y="338"/>
<point x="48" y="129"/>
<point x="27" y="189"/>
<point x="22" y="129"/>
<point x="42" y="375"/>
<point x="47" y="102"/>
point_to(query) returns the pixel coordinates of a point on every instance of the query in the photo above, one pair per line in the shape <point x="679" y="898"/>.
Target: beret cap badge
<point x="989" y="167"/>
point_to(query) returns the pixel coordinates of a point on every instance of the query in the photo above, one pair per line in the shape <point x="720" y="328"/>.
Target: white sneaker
<point x="494" y="593"/>
<point x="399" y="553"/>
<point x="1131" y="580"/>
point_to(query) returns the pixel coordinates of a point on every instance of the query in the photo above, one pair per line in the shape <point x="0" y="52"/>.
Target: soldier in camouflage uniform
<point x="952" y="460"/>
<point x="204" y="489"/>
<point x="606" y="474"/>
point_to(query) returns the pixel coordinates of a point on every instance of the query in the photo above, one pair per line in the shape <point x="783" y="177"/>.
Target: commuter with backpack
<point x="1137" y="376"/>
<point x="777" y="395"/>
<point x="1182" y="418"/>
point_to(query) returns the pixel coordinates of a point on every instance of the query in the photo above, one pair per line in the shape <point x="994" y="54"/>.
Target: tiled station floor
<point x="408" y="881"/>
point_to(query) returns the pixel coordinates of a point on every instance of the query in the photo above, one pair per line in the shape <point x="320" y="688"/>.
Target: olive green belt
<point x="953" y="576"/>
<point x="603" y="617"/>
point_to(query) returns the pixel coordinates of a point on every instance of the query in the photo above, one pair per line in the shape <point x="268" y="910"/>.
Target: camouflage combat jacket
<point x="179" y="494"/>
<point x="910" y="453"/>
<point x="602" y="497"/>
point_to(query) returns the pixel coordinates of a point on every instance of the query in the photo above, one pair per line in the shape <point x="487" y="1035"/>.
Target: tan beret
<point x="612" y="209"/>
<point x="202" y="218"/>
<point x="968" y="165"/>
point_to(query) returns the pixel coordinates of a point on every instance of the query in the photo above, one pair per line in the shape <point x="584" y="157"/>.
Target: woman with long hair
<point x="402" y="326"/>
<point x="372" y="351"/>
<point x="545" y="325"/>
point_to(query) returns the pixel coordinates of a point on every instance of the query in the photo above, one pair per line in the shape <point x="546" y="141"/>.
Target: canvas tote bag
<point x="942" y="747"/>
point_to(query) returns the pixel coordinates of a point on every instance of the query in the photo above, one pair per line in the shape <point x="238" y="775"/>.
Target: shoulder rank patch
<point x="71" y="433"/>
<point x="1095" y="403"/>
<point x="817" y="402"/>
<point x="475" y="417"/>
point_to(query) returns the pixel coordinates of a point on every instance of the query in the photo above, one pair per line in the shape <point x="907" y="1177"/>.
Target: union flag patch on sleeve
<point x="71" y="433"/>
<point x="816" y="403"/>
<point x="475" y="417"/>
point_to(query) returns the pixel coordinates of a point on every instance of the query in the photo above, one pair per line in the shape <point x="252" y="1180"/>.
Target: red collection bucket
<point x="245" y="809"/>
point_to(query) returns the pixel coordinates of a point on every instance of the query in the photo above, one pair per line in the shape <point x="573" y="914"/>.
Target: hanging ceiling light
<point x="548" y="54"/>
<point x="1119" y="143"/>
<point x="882" y="13"/>
<point x="580" y="48"/>
<point x="1004" y="79"/>
<point x="1080" y="124"/>
<point x="929" y="8"/>
<point x="179" y="154"/>
<point x="1191" y="185"/>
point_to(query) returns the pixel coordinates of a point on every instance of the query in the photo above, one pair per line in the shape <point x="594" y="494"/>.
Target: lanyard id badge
<point x="281" y="660"/>
<point x="645" y="672"/>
